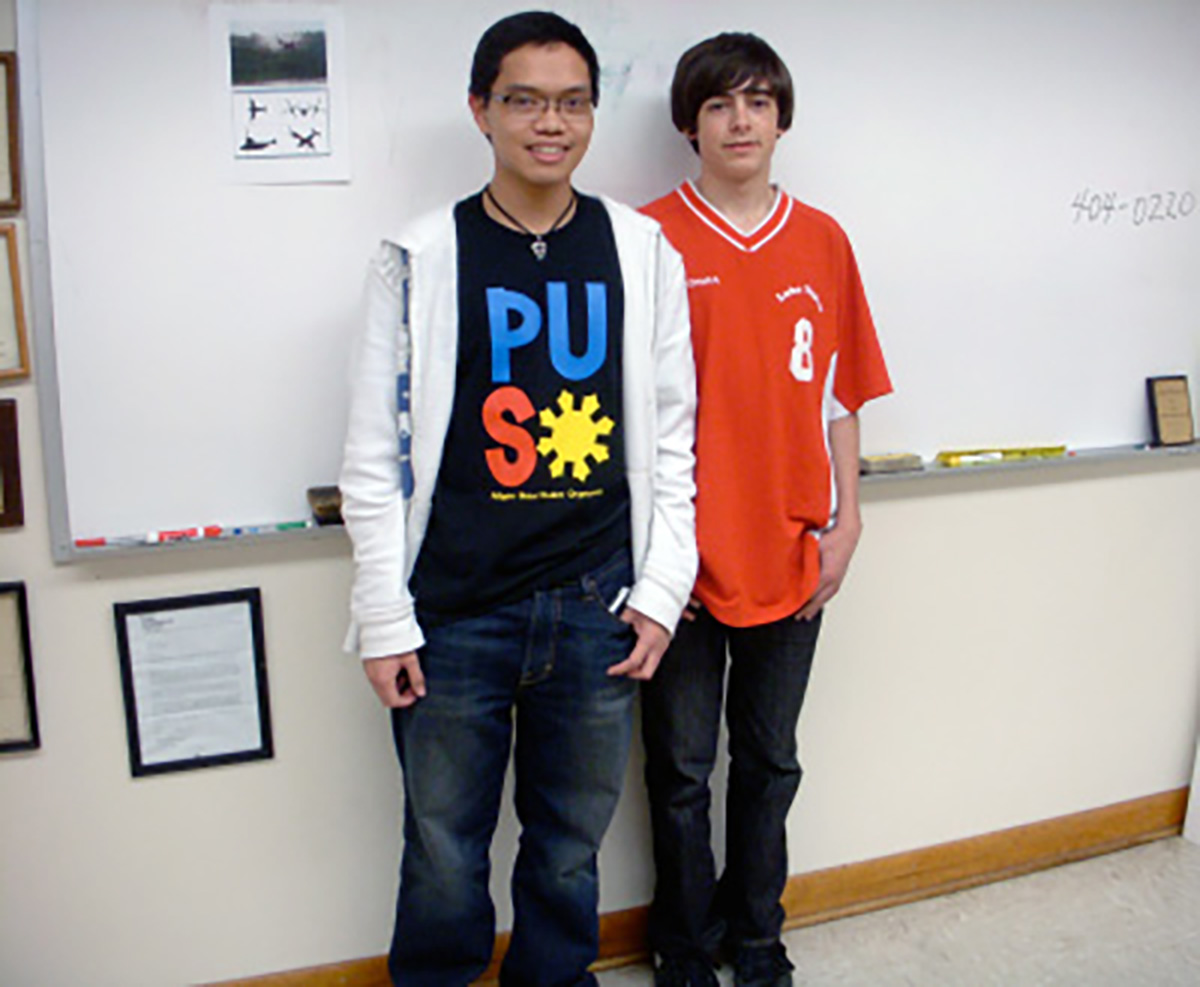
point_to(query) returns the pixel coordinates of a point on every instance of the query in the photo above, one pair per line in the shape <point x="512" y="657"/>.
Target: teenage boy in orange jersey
<point x="517" y="483"/>
<point x="786" y="354"/>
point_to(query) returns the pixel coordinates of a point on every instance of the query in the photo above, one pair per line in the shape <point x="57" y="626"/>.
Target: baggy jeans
<point x="536" y="669"/>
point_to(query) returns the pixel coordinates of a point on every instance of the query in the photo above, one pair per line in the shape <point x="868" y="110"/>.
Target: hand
<point x="652" y="641"/>
<point x="837" y="548"/>
<point x="396" y="679"/>
<point x="692" y="610"/>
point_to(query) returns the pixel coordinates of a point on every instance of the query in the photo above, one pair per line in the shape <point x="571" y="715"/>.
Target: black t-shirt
<point x="531" y="491"/>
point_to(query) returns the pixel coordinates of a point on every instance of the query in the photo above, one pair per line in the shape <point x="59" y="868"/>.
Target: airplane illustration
<point x="303" y="109"/>
<point x="306" y="141"/>
<point x="250" y="144"/>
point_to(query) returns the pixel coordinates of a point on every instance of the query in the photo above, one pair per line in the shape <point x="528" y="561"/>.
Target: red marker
<point x="179" y="534"/>
<point x="119" y="541"/>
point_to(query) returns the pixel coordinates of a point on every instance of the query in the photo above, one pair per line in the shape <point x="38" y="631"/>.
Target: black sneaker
<point x="762" y="966"/>
<point x="684" y="971"/>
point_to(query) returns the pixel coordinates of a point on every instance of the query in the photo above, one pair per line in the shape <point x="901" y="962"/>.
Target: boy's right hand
<point x="396" y="679"/>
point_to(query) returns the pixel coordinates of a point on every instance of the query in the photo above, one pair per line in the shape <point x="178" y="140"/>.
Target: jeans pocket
<point x="607" y="587"/>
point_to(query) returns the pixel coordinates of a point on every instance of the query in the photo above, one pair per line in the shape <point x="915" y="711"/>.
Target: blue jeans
<point x="769" y="668"/>
<point x="539" y="665"/>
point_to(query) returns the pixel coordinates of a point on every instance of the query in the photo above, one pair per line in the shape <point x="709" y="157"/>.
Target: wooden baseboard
<point x="853" y="889"/>
<point x="887" y="881"/>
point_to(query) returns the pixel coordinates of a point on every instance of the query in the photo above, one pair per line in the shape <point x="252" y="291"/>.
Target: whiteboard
<point x="1019" y="180"/>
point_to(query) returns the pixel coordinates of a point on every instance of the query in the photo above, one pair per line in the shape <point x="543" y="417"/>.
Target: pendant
<point x="539" y="248"/>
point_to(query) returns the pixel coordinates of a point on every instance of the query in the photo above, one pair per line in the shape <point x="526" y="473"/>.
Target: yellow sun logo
<point x="574" y="435"/>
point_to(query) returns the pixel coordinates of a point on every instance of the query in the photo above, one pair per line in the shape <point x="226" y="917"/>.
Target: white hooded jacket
<point x="402" y="393"/>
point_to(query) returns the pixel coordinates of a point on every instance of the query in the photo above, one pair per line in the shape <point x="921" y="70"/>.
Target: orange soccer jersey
<point x="784" y="342"/>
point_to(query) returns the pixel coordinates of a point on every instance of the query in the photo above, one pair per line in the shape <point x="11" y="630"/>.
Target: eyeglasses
<point x="531" y="105"/>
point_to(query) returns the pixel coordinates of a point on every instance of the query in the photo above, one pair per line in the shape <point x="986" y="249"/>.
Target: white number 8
<point x="801" y="363"/>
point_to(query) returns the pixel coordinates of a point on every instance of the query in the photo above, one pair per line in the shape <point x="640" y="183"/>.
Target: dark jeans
<point x="539" y="666"/>
<point x="769" y="669"/>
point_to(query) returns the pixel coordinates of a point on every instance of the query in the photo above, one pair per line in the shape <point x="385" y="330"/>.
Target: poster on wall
<point x="194" y="676"/>
<point x="280" y="86"/>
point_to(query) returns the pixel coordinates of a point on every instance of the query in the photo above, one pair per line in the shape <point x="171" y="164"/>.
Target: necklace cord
<point x="539" y="239"/>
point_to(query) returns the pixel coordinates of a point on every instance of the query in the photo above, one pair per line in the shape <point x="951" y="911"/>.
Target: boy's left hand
<point x="837" y="548"/>
<point x="652" y="641"/>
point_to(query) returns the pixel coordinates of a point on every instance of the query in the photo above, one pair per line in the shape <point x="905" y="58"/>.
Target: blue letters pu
<point x="506" y="337"/>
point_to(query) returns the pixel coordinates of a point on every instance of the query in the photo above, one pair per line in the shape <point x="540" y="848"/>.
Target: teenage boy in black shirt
<point x="517" y="483"/>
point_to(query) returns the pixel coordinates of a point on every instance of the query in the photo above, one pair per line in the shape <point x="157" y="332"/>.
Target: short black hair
<point x="721" y="64"/>
<point x="532" y="27"/>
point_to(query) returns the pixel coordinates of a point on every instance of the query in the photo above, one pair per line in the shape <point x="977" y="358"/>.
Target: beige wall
<point x="1007" y="650"/>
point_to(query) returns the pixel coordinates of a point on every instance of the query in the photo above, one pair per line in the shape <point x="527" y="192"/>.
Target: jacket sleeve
<point x="374" y="468"/>
<point x="669" y="571"/>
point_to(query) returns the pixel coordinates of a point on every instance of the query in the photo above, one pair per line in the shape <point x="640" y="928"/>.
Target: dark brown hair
<point x="721" y="64"/>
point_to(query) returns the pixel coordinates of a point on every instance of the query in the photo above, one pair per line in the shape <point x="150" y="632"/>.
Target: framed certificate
<point x="10" y="146"/>
<point x="194" y="674"/>
<point x="14" y="349"/>
<point x="18" y="703"/>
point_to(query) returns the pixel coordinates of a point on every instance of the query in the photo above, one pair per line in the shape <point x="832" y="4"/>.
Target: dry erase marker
<point x="121" y="541"/>
<point x="292" y="525"/>
<point x="177" y="534"/>
<point x="249" y="529"/>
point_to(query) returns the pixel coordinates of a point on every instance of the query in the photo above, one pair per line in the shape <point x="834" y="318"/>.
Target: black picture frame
<point x="1170" y="410"/>
<point x="16" y="668"/>
<point x="187" y="666"/>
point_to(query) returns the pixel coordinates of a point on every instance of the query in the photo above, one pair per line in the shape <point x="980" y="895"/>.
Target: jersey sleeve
<point x="861" y="375"/>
